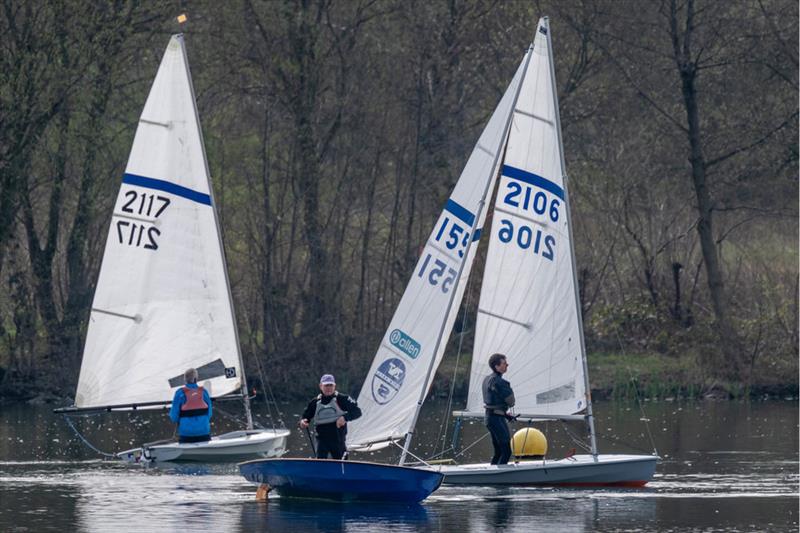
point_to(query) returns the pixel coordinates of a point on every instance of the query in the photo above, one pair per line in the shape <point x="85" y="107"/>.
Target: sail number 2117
<point x="137" y="234"/>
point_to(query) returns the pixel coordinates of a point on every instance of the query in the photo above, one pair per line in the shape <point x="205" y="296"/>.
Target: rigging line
<point x="644" y="417"/>
<point x="86" y="442"/>
<point x="575" y="438"/>
<point x="443" y="429"/>
<point x="462" y="452"/>
<point x="409" y="453"/>
<point x="618" y="440"/>
<point x="229" y="415"/>
<point x="269" y="396"/>
<point x="440" y="454"/>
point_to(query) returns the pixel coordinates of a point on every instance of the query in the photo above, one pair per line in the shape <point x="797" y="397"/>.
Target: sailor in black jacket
<point x="330" y="411"/>
<point x="498" y="398"/>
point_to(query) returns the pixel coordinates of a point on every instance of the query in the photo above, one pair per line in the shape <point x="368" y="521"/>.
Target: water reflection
<point x="540" y="509"/>
<point x="284" y="514"/>
<point x="726" y="466"/>
<point x="152" y="500"/>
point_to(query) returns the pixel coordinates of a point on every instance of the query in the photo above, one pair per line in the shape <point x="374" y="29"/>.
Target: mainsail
<point x="162" y="302"/>
<point x="528" y="308"/>
<point x="408" y="354"/>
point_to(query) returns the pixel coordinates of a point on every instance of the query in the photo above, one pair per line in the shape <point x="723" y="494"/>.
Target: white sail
<point x="162" y="302"/>
<point x="528" y="309"/>
<point x="400" y="369"/>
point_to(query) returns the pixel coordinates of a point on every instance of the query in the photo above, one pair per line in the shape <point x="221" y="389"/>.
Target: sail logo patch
<point x="404" y="343"/>
<point x="387" y="380"/>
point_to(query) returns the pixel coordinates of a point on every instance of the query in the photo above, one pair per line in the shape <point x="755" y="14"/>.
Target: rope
<point x="575" y="438"/>
<point x="269" y="396"/>
<point x="434" y="456"/>
<point x="419" y="460"/>
<point x="86" y="442"/>
<point x="615" y="439"/>
<point x="443" y="429"/>
<point x="236" y="418"/>
<point x="643" y="416"/>
<point x="462" y="452"/>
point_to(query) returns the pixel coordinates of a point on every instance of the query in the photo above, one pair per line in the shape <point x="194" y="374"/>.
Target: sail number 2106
<point x="527" y="238"/>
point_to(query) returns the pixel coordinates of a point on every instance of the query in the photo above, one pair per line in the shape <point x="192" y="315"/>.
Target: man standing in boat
<point x="498" y="398"/>
<point x="330" y="411"/>
<point x="191" y="410"/>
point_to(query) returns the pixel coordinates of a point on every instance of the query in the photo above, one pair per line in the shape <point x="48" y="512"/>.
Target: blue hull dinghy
<point x="342" y="480"/>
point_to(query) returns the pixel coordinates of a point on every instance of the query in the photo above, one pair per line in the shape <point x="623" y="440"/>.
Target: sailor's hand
<point x="511" y="418"/>
<point x="340" y="422"/>
<point x="303" y="423"/>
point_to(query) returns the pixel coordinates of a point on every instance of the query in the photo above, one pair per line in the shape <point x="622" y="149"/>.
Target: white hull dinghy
<point x="228" y="447"/>
<point x="529" y="308"/>
<point x="163" y="303"/>
<point x="579" y="471"/>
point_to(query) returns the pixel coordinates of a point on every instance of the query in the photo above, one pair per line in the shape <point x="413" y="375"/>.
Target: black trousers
<point x="333" y="446"/>
<point x="501" y="438"/>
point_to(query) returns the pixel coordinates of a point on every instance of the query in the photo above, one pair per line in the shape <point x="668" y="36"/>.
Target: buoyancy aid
<point x="327" y="413"/>
<point x="497" y="394"/>
<point x="195" y="404"/>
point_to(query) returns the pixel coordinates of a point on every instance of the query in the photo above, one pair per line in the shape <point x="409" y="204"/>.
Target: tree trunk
<point x="705" y="204"/>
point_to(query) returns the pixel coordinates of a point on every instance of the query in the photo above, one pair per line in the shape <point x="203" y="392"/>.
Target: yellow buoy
<point x="529" y="443"/>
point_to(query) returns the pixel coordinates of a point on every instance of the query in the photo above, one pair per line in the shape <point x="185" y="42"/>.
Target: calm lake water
<point x="726" y="466"/>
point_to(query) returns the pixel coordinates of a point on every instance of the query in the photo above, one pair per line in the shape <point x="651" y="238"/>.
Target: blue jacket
<point x="190" y="426"/>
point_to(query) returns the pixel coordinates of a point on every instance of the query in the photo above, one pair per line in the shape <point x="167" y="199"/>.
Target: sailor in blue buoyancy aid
<point x="330" y="411"/>
<point x="498" y="398"/>
<point x="191" y="410"/>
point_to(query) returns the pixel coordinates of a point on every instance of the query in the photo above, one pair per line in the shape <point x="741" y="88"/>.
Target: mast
<point x="245" y="396"/>
<point x="481" y="204"/>
<point x="589" y="414"/>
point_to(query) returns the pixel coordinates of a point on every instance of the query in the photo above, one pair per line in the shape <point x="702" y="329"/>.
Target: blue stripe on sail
<point x="477" y="234"/>
<point x="461" y="212"/>
<point x="166" y="186"/>
<point x="533" y="179"/>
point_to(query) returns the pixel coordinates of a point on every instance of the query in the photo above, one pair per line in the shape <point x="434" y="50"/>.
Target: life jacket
<point x="327" y="413"/>
<point x="195" y="404"/>
<point x="492" y="399"/>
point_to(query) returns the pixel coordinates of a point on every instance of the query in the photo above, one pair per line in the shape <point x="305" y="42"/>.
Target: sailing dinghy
<point x="395" y="385"/>
<point x="163" y="302"/>
<point x="529" y="306"/>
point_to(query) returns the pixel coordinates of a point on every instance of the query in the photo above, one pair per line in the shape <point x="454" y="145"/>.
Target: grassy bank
<point x="655" y="376"/>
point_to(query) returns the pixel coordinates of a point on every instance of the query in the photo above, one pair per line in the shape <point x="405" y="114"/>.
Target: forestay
<point x="162" y="302"/>
<point x="400" y="369"/>
<point x="528" y="308"/>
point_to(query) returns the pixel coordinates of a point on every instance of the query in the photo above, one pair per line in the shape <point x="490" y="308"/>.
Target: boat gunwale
<point x="346" y="461"/>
